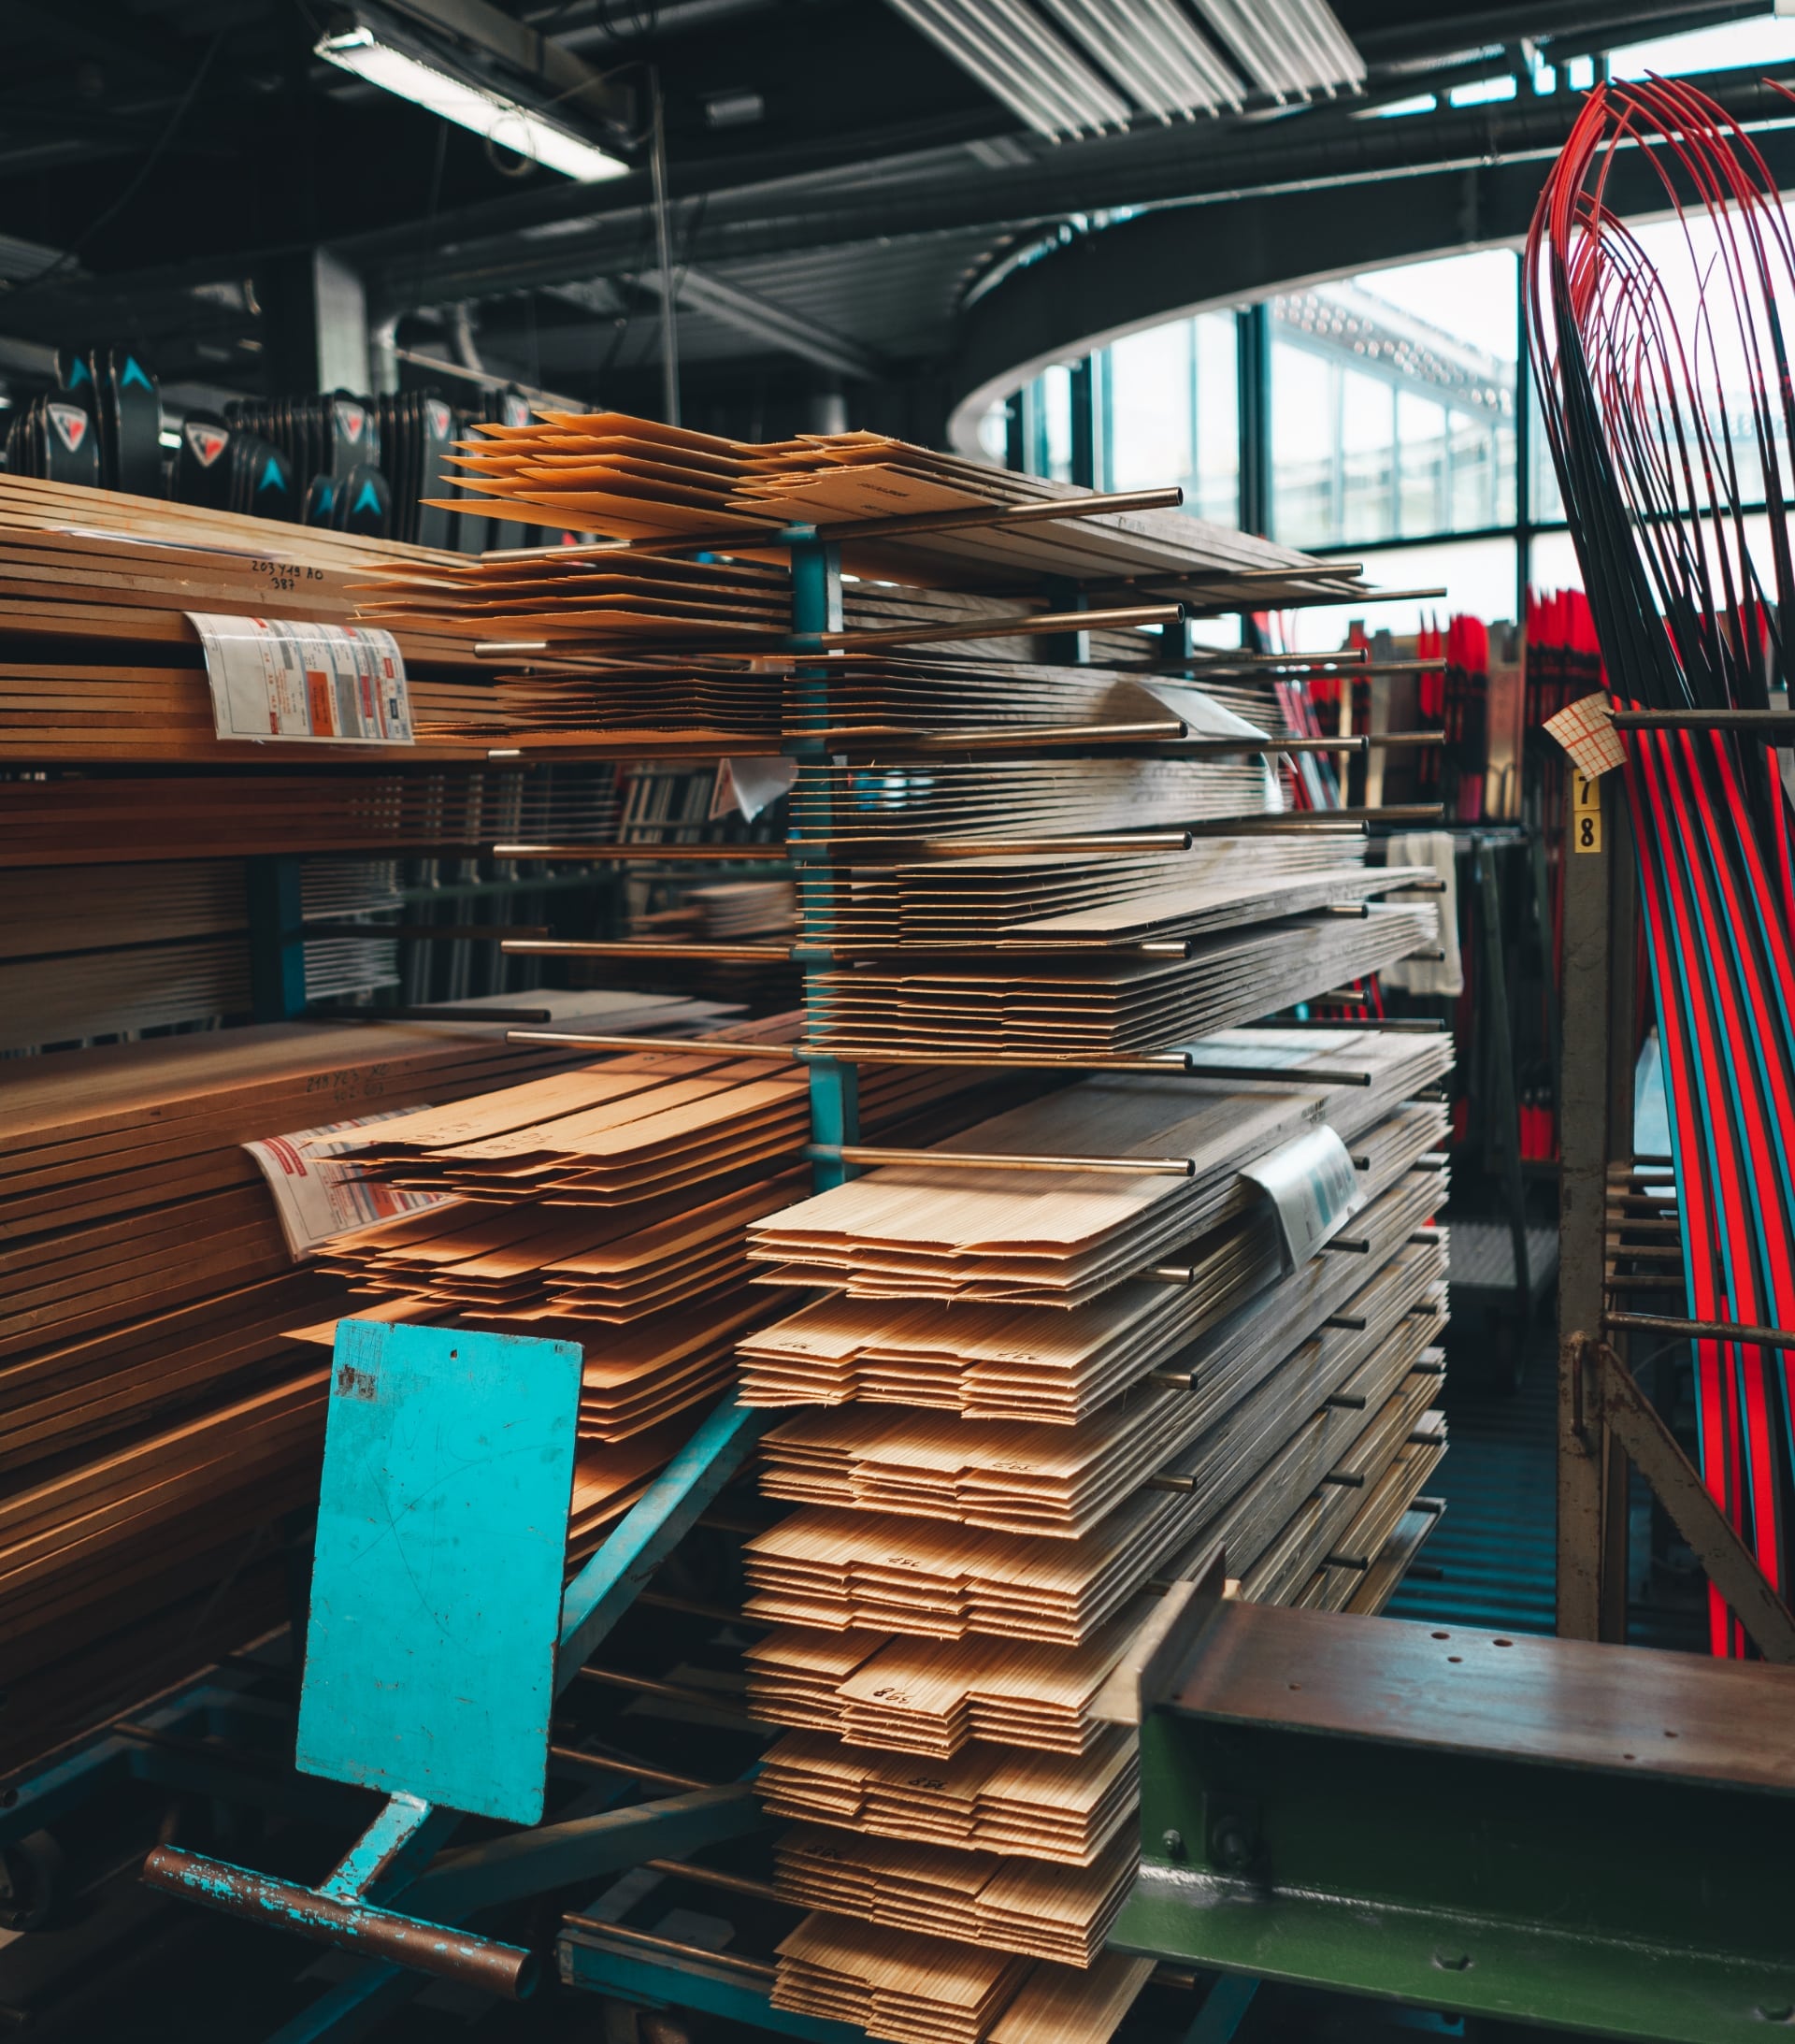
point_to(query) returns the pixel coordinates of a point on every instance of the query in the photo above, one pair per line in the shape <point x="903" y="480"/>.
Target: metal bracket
<point x="1605" y="1392"/>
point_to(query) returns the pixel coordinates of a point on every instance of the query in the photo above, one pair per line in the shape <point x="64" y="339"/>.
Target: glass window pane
<point x="1427" y="475"/>
<point x="1213" y="490"/>
<point x="1151" y="390"/>
<point x="1422" y="358"/>
<point x="1367" y="455"/>
<point x="1171" y="404"/>
<point x="1305" y="445"/>
<point x="1478" y="576"/>
<point x="1053" y="454"/>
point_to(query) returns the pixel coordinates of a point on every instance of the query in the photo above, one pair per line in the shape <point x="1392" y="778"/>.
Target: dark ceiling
<point x="168" y="166"/>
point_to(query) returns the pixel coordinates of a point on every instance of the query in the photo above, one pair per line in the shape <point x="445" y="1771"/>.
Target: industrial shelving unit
<point x="220" y="1737"/>
<point x="401" y="1905"/>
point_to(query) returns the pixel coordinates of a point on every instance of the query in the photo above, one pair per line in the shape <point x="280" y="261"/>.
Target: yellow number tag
<point x="1586" y="813"/>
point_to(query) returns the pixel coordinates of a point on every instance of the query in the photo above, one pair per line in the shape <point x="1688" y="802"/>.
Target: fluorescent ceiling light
<point x="501" y="120"/>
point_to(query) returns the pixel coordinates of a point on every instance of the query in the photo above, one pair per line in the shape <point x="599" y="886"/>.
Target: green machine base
<point x="1597" y="1837"/>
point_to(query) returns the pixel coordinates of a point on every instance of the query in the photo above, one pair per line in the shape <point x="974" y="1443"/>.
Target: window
<point x="1165" y="409"/>
<point x="1169" y="400"/>
<point x="1393" y="403"/>
<point x="1477" y="575"/>
<point x="1764" y="39"/>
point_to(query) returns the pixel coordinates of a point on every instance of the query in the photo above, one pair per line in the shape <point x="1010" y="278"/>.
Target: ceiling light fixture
<point x="506" y="123"/>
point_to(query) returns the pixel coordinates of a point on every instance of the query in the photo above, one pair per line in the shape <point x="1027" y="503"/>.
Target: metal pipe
<point x="1291" y="1075"/>
<point x="1020" y="738"/>
<point x="692" y="1046"/>
<point x="1703" y="720"/>
<point x="731" y="1884"/>
<point x="646" y="1685"/>
<point x="1046" y="623"/>
<point x="600" y="854"/>
<point x="663" y="252"/>
<point x="671" y="1947"/>
<point x="429" y="1014"/>
<point x="632" y="947"/>
<point x="1137" y="1167"/>
<point x="360" y="1928"/>
<point x="1415" y="1025"/>
<point x="868" y="851"/>
<point x="575" y="1758"/>
<point x="1725" y="1330"/>
<point x="1309" y="819"/>
<point x="421" y="932"/>
<point x="1043" y="1062"/>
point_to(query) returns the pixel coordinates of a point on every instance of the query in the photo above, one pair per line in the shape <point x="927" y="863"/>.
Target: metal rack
<point x="385" y="1900"/>
<point x="1605" y="1419"/>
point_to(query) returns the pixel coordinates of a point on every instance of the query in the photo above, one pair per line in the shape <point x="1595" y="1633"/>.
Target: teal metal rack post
<point x="816" y="607"/>
<point x="277" y="931"/>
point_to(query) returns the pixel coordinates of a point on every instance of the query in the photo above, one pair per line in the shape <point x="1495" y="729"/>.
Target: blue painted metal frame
<point x="740" y="1992"/>
<point x="816" y="607"/>
<point x="387" y="1861"/>
<point x="276" y="937"/>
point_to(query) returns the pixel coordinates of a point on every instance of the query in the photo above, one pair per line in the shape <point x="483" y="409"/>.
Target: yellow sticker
<point x="1586" y="813"/>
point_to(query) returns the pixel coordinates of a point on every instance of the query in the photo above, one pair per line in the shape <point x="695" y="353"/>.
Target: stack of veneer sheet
<point x="94" y="951"/>
<point x="608" y="1205"/>
<point x="1068" y="902"/>
<point x="1057" y="1238"/>
<point x="1100" y="1005"/>
<point x="916" y="1990"/>
<point x="1044" y="1396"/>
<point x="638" y="479"/>
<point x="1041" y="1911"/>
<point x="71" y="819"/>
<point x="100" y="663"/>
<point x="582" y="597"/>
<point x="594" y="687"/>
<point x="155" y="1411"/>
<point x="521" y="1264"/>
<point x="867" y="806"/>
<point x="1066" y="1808"/>
<point x="930" y="1697"/>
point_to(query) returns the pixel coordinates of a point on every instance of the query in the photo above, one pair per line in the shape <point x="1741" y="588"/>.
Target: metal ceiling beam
<point x="764" y="321"/>
<point x="1180" y="259"/>
<point x="1307" y="152"/>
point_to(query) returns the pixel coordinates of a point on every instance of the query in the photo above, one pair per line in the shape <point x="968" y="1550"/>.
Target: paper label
<point x="274" y="677"/>
<point x="747" y="785"/>
<point x="1313" y="1189"/>
<point x="316" y="1197"/>
<point x="1586" y="730"/>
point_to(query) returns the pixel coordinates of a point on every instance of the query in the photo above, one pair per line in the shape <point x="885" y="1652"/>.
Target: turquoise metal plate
<point x="436" y="1593"/>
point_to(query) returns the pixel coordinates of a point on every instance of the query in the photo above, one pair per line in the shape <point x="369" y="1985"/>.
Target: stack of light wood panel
<point x="101" y="665"/>
<point x="607" y="1206"/>
<point x="1041" y="1397"/>
<point x="83" y="818"/>
<point x="638" y="479"/>
<point x="1068" y="902"/>
<point x="157" y="1410"/>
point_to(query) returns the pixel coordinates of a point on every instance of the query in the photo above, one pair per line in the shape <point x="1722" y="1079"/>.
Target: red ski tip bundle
<point x="1658" y="450"/>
